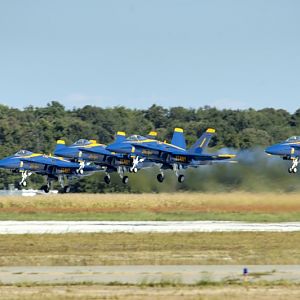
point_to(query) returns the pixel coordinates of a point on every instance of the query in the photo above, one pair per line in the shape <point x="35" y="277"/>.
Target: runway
<point x="143" y="274"/>
<point x="61" y="227"/>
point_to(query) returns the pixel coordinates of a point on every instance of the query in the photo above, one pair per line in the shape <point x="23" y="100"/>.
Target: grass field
<point x="150" y="249"/>
<point x="276" y="292"/>
<point x="263" y="207"/>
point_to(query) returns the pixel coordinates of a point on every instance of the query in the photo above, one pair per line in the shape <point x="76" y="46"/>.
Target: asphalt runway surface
<point x="133" y="274"/>
<point x="61" y="227"/>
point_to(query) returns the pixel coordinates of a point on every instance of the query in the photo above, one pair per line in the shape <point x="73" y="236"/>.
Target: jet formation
<point x="125" y="155"/>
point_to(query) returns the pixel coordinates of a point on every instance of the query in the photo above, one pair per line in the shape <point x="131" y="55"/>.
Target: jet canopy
<point x="136" y="138"/>
<point x="293" y="139"/>
<point x="82" y="142"/>
<point x="23" y="153"/>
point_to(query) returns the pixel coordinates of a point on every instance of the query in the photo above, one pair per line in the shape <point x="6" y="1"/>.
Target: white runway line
<point x="58" y="227"/>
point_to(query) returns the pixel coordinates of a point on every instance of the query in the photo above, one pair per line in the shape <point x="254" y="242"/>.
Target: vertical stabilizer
<point x="178" y="138"/>
<point x="203" y="141"/>
<point x="120" y="137"/>
<point x="152" y="135"/>
<point x="60" y="144"/>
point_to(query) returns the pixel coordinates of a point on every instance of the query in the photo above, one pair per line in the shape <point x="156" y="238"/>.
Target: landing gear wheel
<point x="23" y="184"/>
<point x="125" y="179"/>
<point x="45" y="188"/>
<point x="160" y="177"/>
<point x="290" y="170"/>
<point x="67" y="189"/>
<point x="181" y="178"/>
<point x="107" y="179"/>
<point x="134" y="170"/>
<point x="295" y="170"/>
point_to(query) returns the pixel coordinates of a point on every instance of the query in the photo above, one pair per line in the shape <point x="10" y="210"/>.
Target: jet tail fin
<point x="178" y="138"/>
<point x="60" y="144"/>
<point x="152" y="135"/>
<point x="203" y="141"/>
<point x="120" y="137"/>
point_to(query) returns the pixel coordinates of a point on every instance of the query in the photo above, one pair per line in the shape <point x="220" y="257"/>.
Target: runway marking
<point x="60" y="227"/>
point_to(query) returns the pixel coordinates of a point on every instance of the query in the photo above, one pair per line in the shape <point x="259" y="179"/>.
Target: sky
<point x="223" y="53"/>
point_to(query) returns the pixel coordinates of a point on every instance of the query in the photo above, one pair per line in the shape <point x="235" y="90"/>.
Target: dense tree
<point x="38" y="128"/>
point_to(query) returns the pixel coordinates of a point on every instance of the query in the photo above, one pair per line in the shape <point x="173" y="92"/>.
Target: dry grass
<point x="150" y="248"/>
<point x="228" y="202"/>
<point x="135" y="293"/>
<point x="179" y="206"/>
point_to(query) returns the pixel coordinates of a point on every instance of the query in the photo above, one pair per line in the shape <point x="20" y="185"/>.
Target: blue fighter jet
<point x="172" y="156"/>
<point x="84" y="151"/>
<point x="55" y="168"/>
<point x="288" y="150"/>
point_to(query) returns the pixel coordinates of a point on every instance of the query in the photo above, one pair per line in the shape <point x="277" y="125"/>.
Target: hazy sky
<point x="224" y="53"/>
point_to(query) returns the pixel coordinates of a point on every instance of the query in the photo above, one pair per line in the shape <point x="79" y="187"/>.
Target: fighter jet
<point x="288" y="150"/>
<point x="84" y="151"/>
<point x="172" y="156"/>
<point x="54" y="168"/>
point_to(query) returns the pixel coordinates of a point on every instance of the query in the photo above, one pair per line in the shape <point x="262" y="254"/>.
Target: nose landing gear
<point x="293" y="168"/>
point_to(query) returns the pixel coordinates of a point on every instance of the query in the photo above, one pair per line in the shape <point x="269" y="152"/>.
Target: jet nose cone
<point x="270" y="150"/>
<point x="3" y="163"/>
<point x="277" y="150"/>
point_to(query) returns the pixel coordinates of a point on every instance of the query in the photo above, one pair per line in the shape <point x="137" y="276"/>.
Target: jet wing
<point x="165" y="149"/>
<point x="51" y="161"/>
<point x="204" y="156"/>
<point x="97" y="151"/>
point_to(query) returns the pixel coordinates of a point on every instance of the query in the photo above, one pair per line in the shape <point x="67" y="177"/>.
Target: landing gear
<point x="107" y="179"/>
<point x="120" y="171"/>
<point x="125" y="179"/>
<point x="67" y="189"/>
<point x="25" y="175"/>
<point x="81" y="167"/>
<point x="135" y="163"/>
<point x="176" y="169"/>
<point x="160" y="177"/>
<point x="45" y="188"/>
<point x="181" y="178"/>
<point x="293" y="168"/>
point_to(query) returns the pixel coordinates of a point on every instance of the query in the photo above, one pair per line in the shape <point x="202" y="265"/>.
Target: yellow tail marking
<point x="152" y="133"/>
<point x="202" y="143"/>
<point x="178" y="130"/>
<point x="211" y="130"/>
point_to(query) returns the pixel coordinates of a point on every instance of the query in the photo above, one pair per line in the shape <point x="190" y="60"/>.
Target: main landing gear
<point x="120" y="170"/>
<point x="176" y="168"/>
<point x="293" y="168"/>
<point x="161" y="177"/>
<point x="46" y="188"/>
<point x="107" y="178"/>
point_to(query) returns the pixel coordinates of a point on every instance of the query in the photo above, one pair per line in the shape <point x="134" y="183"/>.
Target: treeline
<point x="38" y="128"/>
